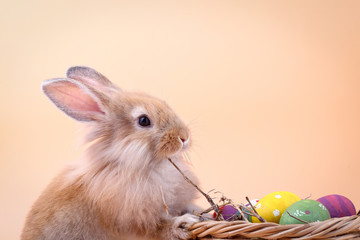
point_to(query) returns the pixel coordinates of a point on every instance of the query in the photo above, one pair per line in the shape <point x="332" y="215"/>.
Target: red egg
<point x="338" y="206"/>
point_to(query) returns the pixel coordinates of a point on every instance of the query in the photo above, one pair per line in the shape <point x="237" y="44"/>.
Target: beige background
<point x="270" y="89"/>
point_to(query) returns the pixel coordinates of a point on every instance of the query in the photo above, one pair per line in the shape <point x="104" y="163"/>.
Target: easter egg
<point x="246" y="212"/>
<point x="307" y="210"/>
<point x="229" y="213"/>
<point x="273" y="205"/>
<point x="338" y="206"/>
<point x="253" y="202"/>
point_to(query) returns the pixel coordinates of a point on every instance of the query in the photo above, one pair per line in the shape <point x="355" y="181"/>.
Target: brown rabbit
<point x="118" y="189"/>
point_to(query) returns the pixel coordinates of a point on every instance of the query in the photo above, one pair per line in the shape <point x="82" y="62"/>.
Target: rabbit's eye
<point x="144" y="121"/>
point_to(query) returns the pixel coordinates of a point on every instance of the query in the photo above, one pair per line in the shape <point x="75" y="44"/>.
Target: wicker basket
<point x="334" y="228"/>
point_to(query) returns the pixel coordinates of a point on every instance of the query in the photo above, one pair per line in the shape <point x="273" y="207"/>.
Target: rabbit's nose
<point x="184" y="140"/>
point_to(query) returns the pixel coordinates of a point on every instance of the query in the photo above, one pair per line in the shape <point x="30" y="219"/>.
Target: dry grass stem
<point x="296" y="218"/>
<point x="211" y="209"/>
<point x="308" y="196"/>
<point x="219" y="216"/>
<point x="261" y="219"/>
<point x="163" y="200"/>
<point x="240" y="211"/>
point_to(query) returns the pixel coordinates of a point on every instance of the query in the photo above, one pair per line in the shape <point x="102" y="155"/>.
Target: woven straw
<point x="334" y="228"/>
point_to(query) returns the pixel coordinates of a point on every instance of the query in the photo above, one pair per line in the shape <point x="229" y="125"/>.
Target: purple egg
<point x="338" y="206"/>
<point x="229" y="213"/>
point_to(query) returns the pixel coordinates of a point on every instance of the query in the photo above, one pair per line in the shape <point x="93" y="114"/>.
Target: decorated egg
<point x="273" y="205"/>
<point x="338" y="206"/>
<point x="253" y="202"/>
<point x="306" y="210"/>
<point x="229" y="213"/>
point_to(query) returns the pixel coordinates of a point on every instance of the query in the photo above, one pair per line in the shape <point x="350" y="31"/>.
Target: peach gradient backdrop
<point x="270" y="89"/>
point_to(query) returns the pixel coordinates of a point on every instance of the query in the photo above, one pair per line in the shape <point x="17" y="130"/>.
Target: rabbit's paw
<point x="180" y="228"/>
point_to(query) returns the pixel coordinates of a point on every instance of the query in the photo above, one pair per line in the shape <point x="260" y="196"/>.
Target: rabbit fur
<point x="118" y="188"/>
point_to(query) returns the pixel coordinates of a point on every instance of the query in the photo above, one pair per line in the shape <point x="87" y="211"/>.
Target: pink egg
<point x="338" y="206"/>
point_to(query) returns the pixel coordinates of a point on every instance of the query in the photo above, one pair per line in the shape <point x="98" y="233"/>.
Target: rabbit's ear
<point x="77" y="100"/>
<point x="89" y="77"/>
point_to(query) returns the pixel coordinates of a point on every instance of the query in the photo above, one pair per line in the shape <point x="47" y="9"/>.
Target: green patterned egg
<point x="306" y="210"/>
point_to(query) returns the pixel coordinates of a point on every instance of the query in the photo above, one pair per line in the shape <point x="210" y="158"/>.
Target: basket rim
<point x="332" y="228"/>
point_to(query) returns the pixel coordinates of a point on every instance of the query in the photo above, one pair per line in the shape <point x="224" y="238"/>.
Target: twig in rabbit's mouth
<point x="208" y="198"/>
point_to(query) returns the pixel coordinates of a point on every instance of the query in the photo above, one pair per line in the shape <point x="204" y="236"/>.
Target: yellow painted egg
<point x="272" y="206"/>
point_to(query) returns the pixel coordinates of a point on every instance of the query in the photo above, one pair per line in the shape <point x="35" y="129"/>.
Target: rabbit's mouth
<point x="171" y="145"/>
<point x="185" y="142"/>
